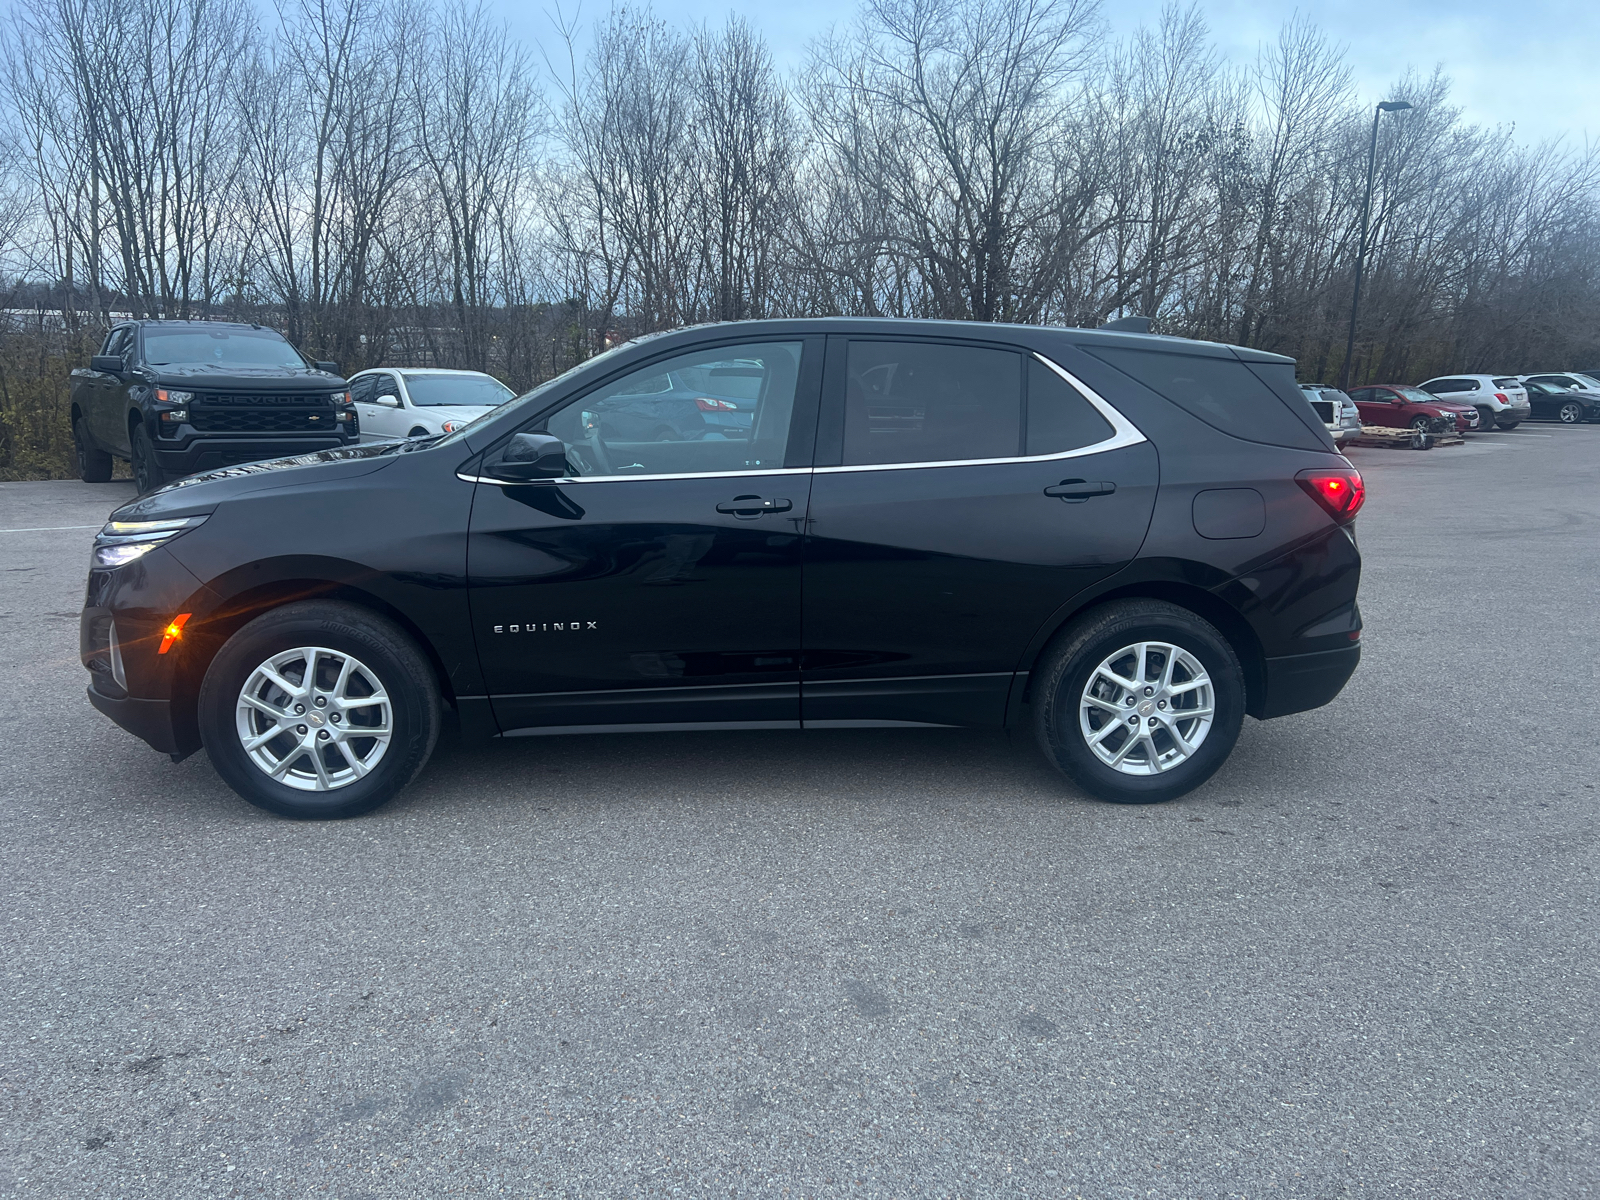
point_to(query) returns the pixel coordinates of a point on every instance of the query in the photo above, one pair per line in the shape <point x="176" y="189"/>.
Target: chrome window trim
<point x="1123" y="433"/>
<point x="465" y="478"/>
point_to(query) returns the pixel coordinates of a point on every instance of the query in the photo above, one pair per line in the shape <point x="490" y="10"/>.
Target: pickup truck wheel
<point x="94" y="466"/>
<point x="1139" y="702"/>
<point x="319" y="709"/>
<point x="147" y="473"/>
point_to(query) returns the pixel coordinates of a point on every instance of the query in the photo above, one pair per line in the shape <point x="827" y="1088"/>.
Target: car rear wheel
<point x="94" y="466"/>
<point x="1570" y="413"/>
<point x="1485" y="420"/>
<point x="319" y="709"/>
<point x="147" y="473"/>
<point x="1139" y="701"/>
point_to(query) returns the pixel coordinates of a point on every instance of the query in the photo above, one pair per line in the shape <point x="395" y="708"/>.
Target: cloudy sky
<point x="1534" y="64"/>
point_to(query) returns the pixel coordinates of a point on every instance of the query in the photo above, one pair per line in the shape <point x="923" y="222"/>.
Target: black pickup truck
<point x="179" y="397"/>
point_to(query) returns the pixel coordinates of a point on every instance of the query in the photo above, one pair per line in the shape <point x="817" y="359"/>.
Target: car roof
<point x="966" y="330"/>
<point x="146" y="322"/>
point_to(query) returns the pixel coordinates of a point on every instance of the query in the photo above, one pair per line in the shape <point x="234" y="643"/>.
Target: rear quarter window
<point x="1256" y="402"/>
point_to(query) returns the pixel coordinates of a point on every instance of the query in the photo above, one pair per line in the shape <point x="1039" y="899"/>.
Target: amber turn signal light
<point x="173" y="632"/>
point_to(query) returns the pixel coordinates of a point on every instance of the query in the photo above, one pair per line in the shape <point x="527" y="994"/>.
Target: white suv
<point x="1501" y="400"/>
<point x="394" y="404"/>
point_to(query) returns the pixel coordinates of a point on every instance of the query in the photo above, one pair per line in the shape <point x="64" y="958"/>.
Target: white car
<point x="395" y="403"/>
<point x="1501" y="400"/>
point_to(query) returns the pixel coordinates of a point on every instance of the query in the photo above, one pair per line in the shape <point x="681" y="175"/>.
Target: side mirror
<point x="531" y="456"/>
<point x="106" y="362"/>
<point x="388" y="401"/>
<point x="332" y="368"/>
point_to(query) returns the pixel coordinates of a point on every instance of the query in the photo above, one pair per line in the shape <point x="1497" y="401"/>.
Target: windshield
<point x="219" y="347"/>
<point x="431" y="390"/>
<point x="1589" y="382"/>
<point x="1416" y="396"/>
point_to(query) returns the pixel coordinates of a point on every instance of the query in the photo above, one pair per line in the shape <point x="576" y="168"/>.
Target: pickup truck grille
<point x="262" y="400"/>
<point x="245" y="420"/>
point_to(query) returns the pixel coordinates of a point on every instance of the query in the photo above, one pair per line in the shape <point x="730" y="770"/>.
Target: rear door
<point x="964" y="491"/>
<point x="658" y="582"/>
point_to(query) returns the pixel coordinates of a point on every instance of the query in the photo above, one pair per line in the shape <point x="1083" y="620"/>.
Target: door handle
<point x="1076" y="491"/>
<point x="748" y="508"/>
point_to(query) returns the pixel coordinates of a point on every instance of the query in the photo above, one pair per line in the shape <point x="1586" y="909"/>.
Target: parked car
<point x="1398" y="406"/>
<point x="1122" y="542"/>
<point x="1566" y="397"/>
<point x="1501" y="400"/>
<point x="397" y="403"/>
<point x="1335" y="409"/>
<point x="176" y="397"/>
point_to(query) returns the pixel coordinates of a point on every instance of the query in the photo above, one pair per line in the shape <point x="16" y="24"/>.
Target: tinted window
<point x="1225" y="393"/>
<point x="1059" y="418"/>
<point x="1441" y="386"/>
<point x="364" y="390"/>
<point x="926" y="402"/>
<point x="655" y="422"/>
<point x="225" y="347"/>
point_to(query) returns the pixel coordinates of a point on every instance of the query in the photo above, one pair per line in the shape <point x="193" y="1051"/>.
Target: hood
<point x="263" y="379"/>
<point x="454" y="412"/>
<point x="202" y="493"/>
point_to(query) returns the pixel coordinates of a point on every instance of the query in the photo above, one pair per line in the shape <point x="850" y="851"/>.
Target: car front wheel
<point x="147" y="473"/>
<point x="319" y="709"/>
<point x="1570" y="413"/>
<point x="1139" y="701"/>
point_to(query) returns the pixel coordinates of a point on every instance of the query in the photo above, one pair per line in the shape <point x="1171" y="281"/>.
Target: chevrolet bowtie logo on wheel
<point x="548" y="627"/>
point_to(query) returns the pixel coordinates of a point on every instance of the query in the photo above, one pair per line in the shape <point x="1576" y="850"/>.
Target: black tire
<point x="1485" y="420"/>
<point x="94" y="465"/>
<point x="381" y="648"/>
<point x="1066" y="670"/>
<point x="418" y="432"/>
<point x="147" y="473"/>
<point x="1509" y="425"/>
<point x="1570" y="413"/>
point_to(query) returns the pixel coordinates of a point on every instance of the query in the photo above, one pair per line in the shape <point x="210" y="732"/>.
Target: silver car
<point x="1501" y="400"/>
<point x="1337" y="411"/>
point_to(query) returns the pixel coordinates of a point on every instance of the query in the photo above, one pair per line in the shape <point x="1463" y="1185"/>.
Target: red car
<point x="1399" y="406"/>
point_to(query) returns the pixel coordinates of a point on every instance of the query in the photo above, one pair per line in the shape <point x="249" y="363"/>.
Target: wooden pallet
<point x="1381" y="438"/>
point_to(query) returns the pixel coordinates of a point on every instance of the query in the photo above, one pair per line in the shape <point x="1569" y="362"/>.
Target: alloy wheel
<point x="1146" y="708"/>
<point x="314" y="719"/>
<point x="1571" y="413"/>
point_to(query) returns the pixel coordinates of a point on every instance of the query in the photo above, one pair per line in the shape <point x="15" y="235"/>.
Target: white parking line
<point x="51" y="528"/>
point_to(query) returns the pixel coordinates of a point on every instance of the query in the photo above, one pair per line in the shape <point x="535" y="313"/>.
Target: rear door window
<point x="1223" y="392"/>
<point x="909" y="402"/>
<point x="1058" y="417"/>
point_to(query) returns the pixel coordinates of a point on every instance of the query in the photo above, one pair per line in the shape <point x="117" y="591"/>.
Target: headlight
<point x="340" y="399"/>
<point x="166" y="397"/>
<point x="120" y="542"/>
<point x="452" y="426"/>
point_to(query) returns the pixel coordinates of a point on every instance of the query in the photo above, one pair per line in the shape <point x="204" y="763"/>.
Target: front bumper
<point x="1303" y="681"/>
<point x="148" y="720"/>
<point x="212" y="453"/>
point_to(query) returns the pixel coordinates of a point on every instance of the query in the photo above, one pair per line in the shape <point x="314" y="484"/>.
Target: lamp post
<point x="1361" y="250"/>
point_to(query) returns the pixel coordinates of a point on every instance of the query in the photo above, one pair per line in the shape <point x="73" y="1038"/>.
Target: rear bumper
<point x="148" y="720"/>
<point x="1303" y="681"/>
<point x="211" y="453"/>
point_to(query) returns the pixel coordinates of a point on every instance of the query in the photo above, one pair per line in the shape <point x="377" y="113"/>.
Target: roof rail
<point x="1128" y="325"/>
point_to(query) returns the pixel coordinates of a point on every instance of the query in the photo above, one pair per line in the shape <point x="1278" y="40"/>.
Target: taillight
<point x="1501" y="396"/>
<point x="707" y="405"/>
<point x="1338" y="489"/>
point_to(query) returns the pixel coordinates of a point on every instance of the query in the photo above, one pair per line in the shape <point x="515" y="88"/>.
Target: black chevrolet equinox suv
<point x="1124" y="542"/>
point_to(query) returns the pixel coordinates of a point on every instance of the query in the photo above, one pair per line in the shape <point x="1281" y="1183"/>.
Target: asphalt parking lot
<point x="1360" y="962"/>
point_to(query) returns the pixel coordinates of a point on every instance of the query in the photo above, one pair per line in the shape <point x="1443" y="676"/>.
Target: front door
<point x="963" y="494"/>
<point x="658" y="582"/>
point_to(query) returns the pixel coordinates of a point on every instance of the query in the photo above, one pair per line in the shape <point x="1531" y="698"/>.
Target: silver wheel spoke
<point x="1138" y="753"/>
<point x="308" y="767"/>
